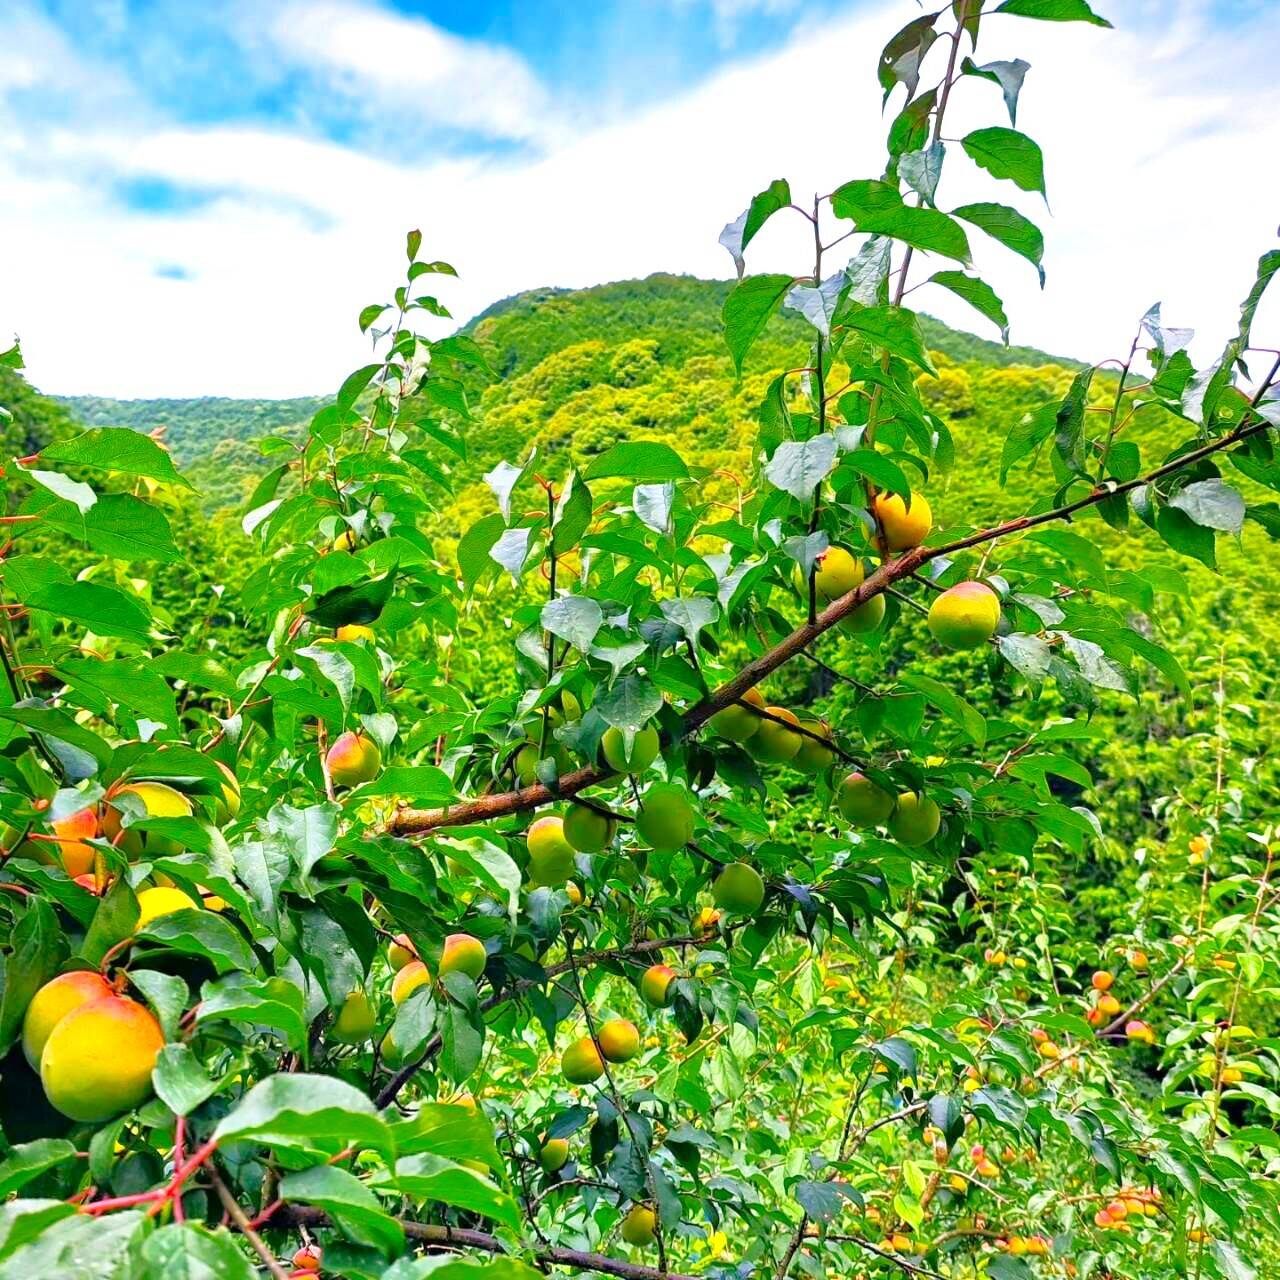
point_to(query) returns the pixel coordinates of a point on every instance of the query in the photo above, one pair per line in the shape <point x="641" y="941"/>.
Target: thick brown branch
<point x="413" y="822"/>
<point x="460" y="1237"/>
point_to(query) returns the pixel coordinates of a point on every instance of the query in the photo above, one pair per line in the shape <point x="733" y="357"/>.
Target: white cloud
<point x="1157" y="170"/>
<point x="411" y="64"/>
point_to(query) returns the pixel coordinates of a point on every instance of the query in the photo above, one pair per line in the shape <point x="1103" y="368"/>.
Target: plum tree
<point x="804" y="1026"/>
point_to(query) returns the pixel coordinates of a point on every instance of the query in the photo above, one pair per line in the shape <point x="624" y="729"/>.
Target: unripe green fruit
<point x="554" y="1154"/>
<point x="526" y="762"/>
<point x="774" y="743"/>
<point x="836" y="572"/>
<point x="354" y="1023"/>
<point x="619" y="1040"/>
<point x="463" y="954"/>
<point x="550" y="854"/>
<point x="353" y="759"/>
<point x="390" y="1052"/>
<point x="581" y="1062"/>
<point x="813" y="757"/>
<point x="639" y="1226"/>
<point x="866" y="617"/>
<point x="655" y="986"/>
<point x="228" y="803"/>
<point x="666" y="817"/>
<point x="587" y="830"/>
<point x="644" y="749"/>
<point x="739" y="888"/>
<point x="915" y="819"/>
<point x="736" y="722"/>
<point x="863" y="802"/>
<point x="965" y="616"/>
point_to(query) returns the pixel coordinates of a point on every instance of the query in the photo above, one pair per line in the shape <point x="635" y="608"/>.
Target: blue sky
<point x="186" y="186"/>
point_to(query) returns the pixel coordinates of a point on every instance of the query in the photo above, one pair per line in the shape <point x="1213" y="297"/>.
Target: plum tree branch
<point x="416" y="822"/>
<point x="431" y="1235"/>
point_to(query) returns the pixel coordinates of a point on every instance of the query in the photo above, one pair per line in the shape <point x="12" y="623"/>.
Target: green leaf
<point x="575" y="619"/>
<point x="978" y="294"/>
<point x="746" y="311"/>
<point x="475" y="545"/>
<point x="296" y="1109"/>
<point x="1184" y="535"/>
<point x="451" y="1131"/>
<point x="1053" y="11"/>
<point x="1008" y="75"/>
<point x="23" y="1220"/>
<point x="1006" y="153"/>
<point x="641" y="461"/>
<point x="79" y="1247"/>
<point x="878" y="208"/>
<point x="118" y="449"/>
<point x="798" y="467"/>
<point x="202" y="933"/>
<point x="117" y="525"/>
<point x="428" y="1177"/>
<point x="920" y="170"/>
<point x="511" y="551"/>
<point x="98" y="608"/>
<point x="79" y="495"/>
<point x="351" y="1205"/>
<point x="181" y="1083"/>
<point x="883" y="472"/>
<point x="270" y="1002"/>
<point x="167" y="995"/>
<point x="191" y="1251"/>
<point x="132" y="686"/>
<point x="1069" y="421"/>
<point x="900" y="59"/>
<point x="897" y="330"/>
<point x="1010" y="228"/>
<point x="742" y="230"/>
<point x="36" y="951"/>
<point x="630" y="704"/>
<point x="113" y="921"/>
<point x="1031" y="431"/>
<point x="29" y="1160"/>
<point x="1212" y="503"/>
<point x="951" y="705"/>
<point x="1268" y="266"/>
<point x="50" y="723"/>
<point x="359" y="603"/>
<point x="572" y="514"/>
<point x="423" y="784"/>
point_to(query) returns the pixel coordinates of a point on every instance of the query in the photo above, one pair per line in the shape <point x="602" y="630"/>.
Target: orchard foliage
<point x="513" y="896"/>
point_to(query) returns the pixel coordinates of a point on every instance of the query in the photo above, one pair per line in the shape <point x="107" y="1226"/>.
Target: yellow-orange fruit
<point x="619" y="1039"/>
<point x="1139" y="1031"/>
<point x="738" y="723"/>
<point x="76" y="856"/>
<point x="862" y="801"/>
<point x="573" y="893"/>
<point x="345" y="541"/>
<point x="414" y="975"/>
<point x="463" y="954"/>
<point x="307" y="1258"/>
<point x="551" y="856"/>
<point x="835" y="573"/>
<point x="581" y="1062"/>
<point x="965" y="616"/>
<point x="554" y="1154"/>
<point x="354" y="1023"/>
<point x="228" y="803"/>
<point x="57" y="998"/>
<point x="1102" y="980"/>
<point x="160" y="801"/>
<point x="915" y="819"/>
<point x="904" y="526"/>
<point x="353" y="759"/>
<point x="161" y="901"/>
<point x="705" y="920"/>
<point x="655" y="985"/>
<point x="639" y="1226"/>
<point x="401" y="952"/>
<point x="97" y="1061"/>
<point x="1108" y="1005"/>
<point x="775" y="743"/>
<point x="353" y="633"/>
